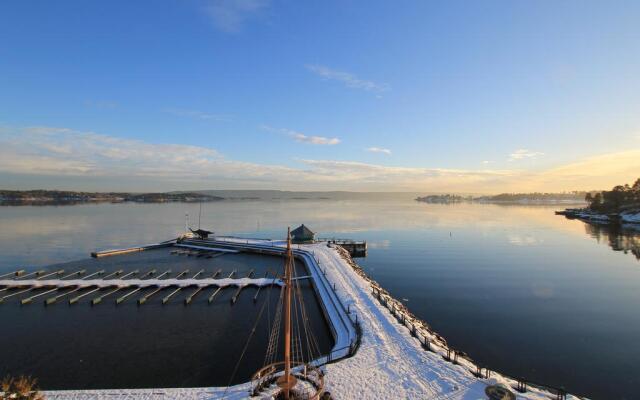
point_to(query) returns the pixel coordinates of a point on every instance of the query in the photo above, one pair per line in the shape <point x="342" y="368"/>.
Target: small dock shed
<point x="302" y="234"/>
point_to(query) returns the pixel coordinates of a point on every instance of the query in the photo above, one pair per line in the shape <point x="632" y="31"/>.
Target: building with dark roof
<point x="302" y="234"/>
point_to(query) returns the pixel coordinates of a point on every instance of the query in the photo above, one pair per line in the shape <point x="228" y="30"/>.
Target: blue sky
<point x="474" y="96"/>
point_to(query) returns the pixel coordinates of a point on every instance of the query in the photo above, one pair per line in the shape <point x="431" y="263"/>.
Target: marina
<point x="415" y="343"/>
<point x="225" y="289"/>
<point x="203" y="317"/>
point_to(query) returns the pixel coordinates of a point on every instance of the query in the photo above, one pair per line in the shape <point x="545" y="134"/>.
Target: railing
<point x="419" y="330"/>
<point x="335" y="354"/>
<point x="332" y="288"/>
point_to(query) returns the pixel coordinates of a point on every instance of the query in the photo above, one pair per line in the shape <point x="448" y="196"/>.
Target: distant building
<point x="302" y="234"/>
<point x="201" y="233"/>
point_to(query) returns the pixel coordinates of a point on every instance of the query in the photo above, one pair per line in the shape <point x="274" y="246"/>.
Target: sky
<point x="432" y="96"/>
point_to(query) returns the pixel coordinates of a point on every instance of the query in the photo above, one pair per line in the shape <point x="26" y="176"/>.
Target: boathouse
<point x="201" y="233"/>
<point x="302" y="234"/>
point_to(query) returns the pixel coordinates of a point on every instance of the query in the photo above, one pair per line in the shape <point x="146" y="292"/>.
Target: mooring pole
<point x="287" y="317"/>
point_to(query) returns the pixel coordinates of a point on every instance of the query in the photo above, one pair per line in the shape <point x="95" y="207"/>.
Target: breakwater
<point x="431" y="341"/>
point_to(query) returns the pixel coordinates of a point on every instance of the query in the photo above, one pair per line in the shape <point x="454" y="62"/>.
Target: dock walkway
<point x="141" y="283"/>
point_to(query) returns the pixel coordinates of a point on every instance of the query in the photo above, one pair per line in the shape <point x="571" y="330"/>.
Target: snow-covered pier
<point x="120" y="284"/>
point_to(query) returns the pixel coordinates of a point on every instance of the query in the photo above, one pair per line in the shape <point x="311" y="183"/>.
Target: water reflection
<point x="518" y="288"/>
<point x="618" y="237"/>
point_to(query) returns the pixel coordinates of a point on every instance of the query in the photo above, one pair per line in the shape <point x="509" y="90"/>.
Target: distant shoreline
<point x="53" y="197"/>
<point x="508" y="198"/>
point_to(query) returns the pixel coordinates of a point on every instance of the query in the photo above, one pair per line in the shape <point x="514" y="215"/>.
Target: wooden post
<point x="287" y="317"/>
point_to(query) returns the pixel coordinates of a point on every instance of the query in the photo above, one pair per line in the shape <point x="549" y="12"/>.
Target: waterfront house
<point x="302" y="234"/>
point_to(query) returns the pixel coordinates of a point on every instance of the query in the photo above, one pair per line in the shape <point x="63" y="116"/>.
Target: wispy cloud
<point x="302" y="138"/>
<point x="230" y="16"/>
<point x="348" y="79"/>
<point x="522" y="154"/>
<point x="381" y="177"/>
<point x="101" y="104"/>
<point x="378" y="150"/>
<point x="315" y="139"/>
<point x="74" y="155"/>
<point x="196" y="114"/>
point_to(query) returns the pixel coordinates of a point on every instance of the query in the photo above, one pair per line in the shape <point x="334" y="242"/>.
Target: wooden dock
<point x="116" y="252"/>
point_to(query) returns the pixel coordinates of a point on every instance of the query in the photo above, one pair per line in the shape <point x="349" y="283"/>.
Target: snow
<point x="233" y="393"/>
<point x="205" y="248"/>
<point x="593" y="216"/>
<point x="630" y="217"/>
<point x="142" y="283"/>
<point x="389" y="364"/>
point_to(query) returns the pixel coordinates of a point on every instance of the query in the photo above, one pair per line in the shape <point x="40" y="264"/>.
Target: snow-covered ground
<point x="632" y="217"/>
<point x="389" y="364"/>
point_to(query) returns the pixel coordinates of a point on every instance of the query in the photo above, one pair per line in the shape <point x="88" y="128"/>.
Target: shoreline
<point x="627" y="219"/>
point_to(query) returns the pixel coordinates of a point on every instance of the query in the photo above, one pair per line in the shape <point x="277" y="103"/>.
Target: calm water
<point x="519" y="289"/>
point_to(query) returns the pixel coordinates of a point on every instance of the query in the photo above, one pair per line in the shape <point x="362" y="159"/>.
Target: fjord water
<point x="519" y="289"/>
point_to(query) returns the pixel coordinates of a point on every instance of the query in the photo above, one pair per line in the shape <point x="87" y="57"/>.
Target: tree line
<point x="620" y="198"/>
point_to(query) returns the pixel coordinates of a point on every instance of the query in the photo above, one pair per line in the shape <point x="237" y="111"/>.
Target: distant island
<point x="444" y="199"/>
<point x="18" y="197"/>
<point x="509" y="198"/>
<point x="620" y="204"/>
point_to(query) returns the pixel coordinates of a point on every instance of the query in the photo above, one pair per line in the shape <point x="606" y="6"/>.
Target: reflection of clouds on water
<point x="33" y="234"/>
<point x="381" y="245"/>
<point x="523" y="240"/>
<point x="543" y="290"/>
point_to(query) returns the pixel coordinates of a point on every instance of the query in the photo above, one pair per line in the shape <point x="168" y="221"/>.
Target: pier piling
<point x="36" y="273"/>
<point x="136" y="290"/>
<point x="75" y="299"/>
<point x="35" y="296"/>
<point x="255" y="297"/>
<point x="234" y="298"/>
<point x="28" y="289"/>
<point x="214" y="294"/>
<point x="147" y="296"/>
<point x="52" y="300"/>
<point x="170" y="295"/>
<point x="198" y="290"/>
<point x="99" y="298"/>
<point x="58" y="272"/>
<point x="15" y="273"/>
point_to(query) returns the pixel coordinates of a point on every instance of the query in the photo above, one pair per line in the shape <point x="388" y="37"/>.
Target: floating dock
<point x="24" y="286"/>
<point x="116" y="252"/>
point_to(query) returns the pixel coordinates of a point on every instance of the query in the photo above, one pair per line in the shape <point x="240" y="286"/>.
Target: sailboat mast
<point x="287" y="316"/>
